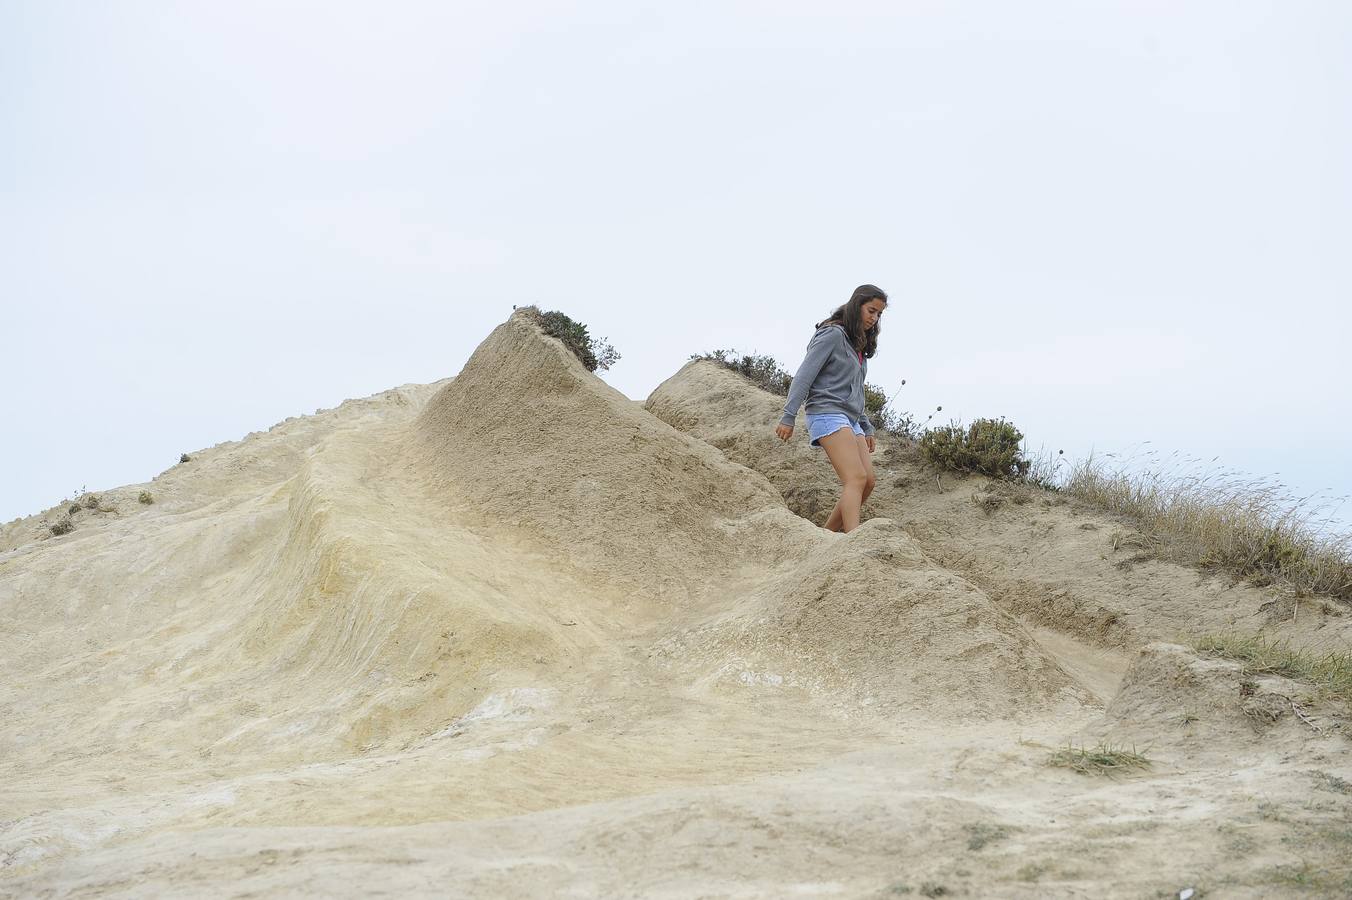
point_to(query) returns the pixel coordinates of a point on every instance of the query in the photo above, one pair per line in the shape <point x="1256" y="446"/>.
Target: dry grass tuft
<point x="1246" y="527"/>
<point x="1104" y="759"/>
<point x="1330" y="672"/>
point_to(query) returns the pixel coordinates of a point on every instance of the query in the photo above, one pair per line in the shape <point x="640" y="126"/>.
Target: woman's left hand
<point x="868" y="439"/>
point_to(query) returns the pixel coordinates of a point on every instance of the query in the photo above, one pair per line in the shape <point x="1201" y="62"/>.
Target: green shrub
<point x="763" y="371"/>
<point x="595" y="353"/>
<point x="63" y="526"/>
<point x="987" y="446"/>
<point x="145" y="497"/>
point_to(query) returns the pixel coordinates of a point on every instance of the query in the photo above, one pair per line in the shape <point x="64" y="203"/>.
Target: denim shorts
<point x="820" y="426"/>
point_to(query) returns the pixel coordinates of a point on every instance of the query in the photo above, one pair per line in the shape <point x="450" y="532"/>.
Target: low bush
<point x="987" y="446"/>
<point x="595" y="353"/>
<point x="763" y="371"/>
<point x="63" y="525"/>
<point x="145" y="497"/>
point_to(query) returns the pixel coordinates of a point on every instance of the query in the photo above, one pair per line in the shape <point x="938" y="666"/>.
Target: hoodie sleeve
<point x="818" y="350"/>
<point x="863" y="417"/>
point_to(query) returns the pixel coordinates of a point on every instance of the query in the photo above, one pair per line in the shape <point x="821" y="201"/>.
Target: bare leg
<point x="835" y="520"/>
<point x="843" y="451"/>
<point x="866" y="458"/>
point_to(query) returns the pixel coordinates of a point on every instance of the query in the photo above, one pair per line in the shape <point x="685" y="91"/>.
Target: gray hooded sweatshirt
<point x="831" y="379"/>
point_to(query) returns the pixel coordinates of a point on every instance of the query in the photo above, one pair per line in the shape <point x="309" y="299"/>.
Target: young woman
<point x="831" y="380"/>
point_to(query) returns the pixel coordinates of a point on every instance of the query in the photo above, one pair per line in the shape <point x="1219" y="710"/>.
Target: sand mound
<point x="1172" y="697"/>
<point x="869" y="623"/>
<point x="1049" y="559"/>
<point x="512" y="634"/>
<point x="722" y="408"/>
<point x="760" y="596"/>
<point x="534" y="440"/>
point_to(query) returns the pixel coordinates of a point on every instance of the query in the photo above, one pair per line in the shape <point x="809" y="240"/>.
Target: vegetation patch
<point x="1104" y="759"/>
<point x="63" y="525"/>
<point x="595" y="353"/>
<point x="987" y="446"/>
<point x="145" y="497"/>
<point x="1247" y="528"/>
<point x="980" y="834"/>
<point x="763" y="371"/>
<point x="1329" y="672"/>
<point x="1330" y="882"/>
<point x="1326" y="782"/>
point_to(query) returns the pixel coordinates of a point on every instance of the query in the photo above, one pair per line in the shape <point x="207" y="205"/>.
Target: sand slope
<point x="513" y="634"/>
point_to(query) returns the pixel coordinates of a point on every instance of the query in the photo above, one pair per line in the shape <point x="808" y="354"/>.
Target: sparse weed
<point x="90" y="501"/>
<point x="988" y="503"/>
<point x="145" y="497"/>
<point x="1044" y="469"/>
<point x="980" y="834"/>
<point x="1327" y="782"/>
<point x="185" y="458"/>
<point x="886" y="417"/>
<point x="1104" y="759"/>
<point x="1303" y="875"/>
<point x="63" y="525"/>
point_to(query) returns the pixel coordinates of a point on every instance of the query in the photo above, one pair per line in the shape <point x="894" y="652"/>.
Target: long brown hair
<point x="848" y="317"/>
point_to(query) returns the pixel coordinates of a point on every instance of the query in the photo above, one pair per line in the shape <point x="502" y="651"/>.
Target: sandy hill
<point x="513" y="634"/>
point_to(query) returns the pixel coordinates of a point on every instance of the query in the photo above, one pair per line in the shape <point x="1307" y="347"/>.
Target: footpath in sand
<point x="420" y="646"/>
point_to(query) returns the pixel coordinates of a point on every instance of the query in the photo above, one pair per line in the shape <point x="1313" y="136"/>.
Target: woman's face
<point x="871" y="312"/>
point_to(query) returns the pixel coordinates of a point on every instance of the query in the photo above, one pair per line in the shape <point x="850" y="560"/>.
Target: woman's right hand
<point x="784" y="432"/>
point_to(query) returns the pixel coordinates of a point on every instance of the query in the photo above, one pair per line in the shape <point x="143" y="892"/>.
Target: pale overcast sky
<point x="1111" y="222"/>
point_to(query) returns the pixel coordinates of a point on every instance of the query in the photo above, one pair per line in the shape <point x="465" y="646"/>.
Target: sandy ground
<point x="589" y="647"/>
